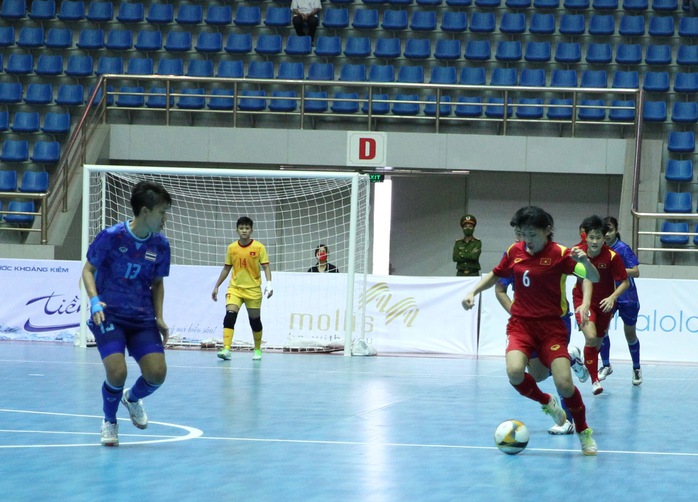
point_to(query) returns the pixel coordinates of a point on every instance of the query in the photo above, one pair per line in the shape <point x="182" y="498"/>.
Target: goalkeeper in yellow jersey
<point x="245" y="258"/>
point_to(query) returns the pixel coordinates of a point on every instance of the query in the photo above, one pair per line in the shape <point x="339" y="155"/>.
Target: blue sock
<point x="564" y="407"/>
<point x="142" y="388"/>
<point x="605" y="351"/>
<point x="111" y="396"/>
<point x="635" y="353"/>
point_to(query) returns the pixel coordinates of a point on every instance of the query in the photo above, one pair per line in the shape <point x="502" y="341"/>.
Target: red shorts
<point x="602" y="320"/>
<point x="546" y="337"/>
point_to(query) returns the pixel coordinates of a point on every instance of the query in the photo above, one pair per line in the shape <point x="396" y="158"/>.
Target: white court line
<point x="192" y="432"/>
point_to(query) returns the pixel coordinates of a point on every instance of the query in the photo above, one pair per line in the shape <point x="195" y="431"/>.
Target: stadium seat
<point x="626" y="80"/>
<point x="238" y="43"/>
<point x="458" y="3"/>
<point x="572" y="24"/>
<point x="568" y="52"/>
<point x="658" y="55"/>
<point x="260" y="69"/>
<point x="7" y="36"/>
<point x="381" y="73"/>
<point x="445" y="108"/>
<point x="91" y="39"/>
<point x="388" y="48"/>
<point x="277" y="17"/>
<point x="189" y="14"/>
<point x="336" y="18"/>
<point x="530" y="108"/>
<point x="411" y="74"/>
<point x="478" y="50"/>
<point x="8" y="180"/>
<point x="179" y="41"/>
<point x="20" y="64"/>
<point x="31" y="37"/>
<point x="598" y="53"/>
<point x="328" y="46"/>
<point x="321" y="71"/>
<point x="495" y="108"/>
<point x="351" y="105"/>
<point x="4" y="121"/>
<point x="591" y="110"/>
<point x="160" y="13"/>
<point x="119" y="40"/>
<point x="687" y="55"/>
<point x="560" y="109"/>
<point x="681" y="142"/>
<point x="632" y="26"/>
<point x="602" y="25"/>
<point x="25" y="122"/>
<point x="50" y="65"/>
<point x="563" y="78"/>
<point x="192" y="99"/>
<point x="418" y="48"/>
<point x="131" y="12"/>
<point x="513" y="23"/>
<point x="170" y="66"/>
<point x="661" y="26"/>
<point x="423" y="20"/>
<point x="219" y="15"/>
<point x="139" y="66"/>
<point x="97" y="98"/>
<point x="482" y="22"/>
<point x="472" y="76"/>
<point x="298" y="45"/>
<point x="454" y="22"/>
<point x="284" y="102"/>
<point x="429" y="3"/>
<point x="378" y="104"/>
<point x="108" y="64"/>
<point x="674" y="240"/>
<point x="222" y="99"/>
<point x="46" y="152"/>
<point x="629" y="54"/>
<point x="404" y="105"/>
<point x="10" y="92"/>
<point x="443" y="75"/>
<point x="538" y="52"/>
<point x="635" y="5"/>
<point x="504" y="76"/>
<point x="594" y="79"/>
<point x="656" y="81"/>
<point x="34" y="182"/>
<point x="14" y="150"/>
<point x="268" y="44"/>
<point x="517" y="4"/>
<point x="70" y="95"/>
<point x="575" y="4"/>
<point x="532" y="77"/>
<point x="291" y="71"/>
<point x="664" y="5"/>
<point x="688" y="27"/>
<point x="488" y="4"/>
<point x="542" y="23"/>
<point x="230" y="69"/>
<point x="20" y="206"/>
<point x="604" y="4"/>
<point x="365" y="19"/>
<point x="684" y="112"/>
<point x="469" y="107"/>
<point x="679" y="171"/>
<point x="39" y="94"/>
<point x="394" y="20"/>
<point x="209" y="42"/>
<point x="448" y="49"/>
<point x="71" y="10"/>
<point x="252" y="101"/>
<point x="357" y="47"/>
<point x="622" y="110"/>
<point x="199" y="68"/>
<point x="352" y="73"/>
<point x="248" y="16"/>
<point x="99" y="12"/>
<point x="654" y="111"/>
<point x="686" y="82"/>
<point x="678" y="202"/>
<point x="56" y="123"/>
<point x="157" y="98"/>
<point x="43" y="10"/>
<point x="508" y="51"/>
<point x="13" y="9"/>
<point x="315" y="102"/>
<point x="59" y="38"/>
<point x="79" y="66"/>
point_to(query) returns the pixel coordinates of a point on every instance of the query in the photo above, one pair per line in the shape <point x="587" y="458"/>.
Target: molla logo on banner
<point x="366" y="149"/>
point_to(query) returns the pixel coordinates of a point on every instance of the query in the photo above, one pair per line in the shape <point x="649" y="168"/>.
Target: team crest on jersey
<point x="555" y="347"/>
<point x="123" y="249"/>
<point x="601" y="265"/>
<point x="150" y="256"/>
<point x="546" y="261"/>
<point x="252" y="253"/>
<point x="517" y="260"/>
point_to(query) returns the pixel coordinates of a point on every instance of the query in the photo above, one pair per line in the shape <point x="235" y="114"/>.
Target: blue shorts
<point x="628" y="312"/>
<point x="115" y="335"/>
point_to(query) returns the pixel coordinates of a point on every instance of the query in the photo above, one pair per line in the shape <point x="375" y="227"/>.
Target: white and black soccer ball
<point x="511" y="437"/>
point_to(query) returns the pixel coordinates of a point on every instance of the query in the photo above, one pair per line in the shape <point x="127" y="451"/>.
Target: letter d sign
<point x="366" y="149"/>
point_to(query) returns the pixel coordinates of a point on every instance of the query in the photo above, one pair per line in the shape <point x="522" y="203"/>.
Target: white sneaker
<point x="110" y="434"/>
<point x="588" y="443"/>
<point x="562" y="430"/>
<point x="555" y="411"/>
<point x="637" y="376"/>
<point x="257" y="355"/>
<point x="138" y="416"/>
<point x="578" y="364"/>
<point x="596" y="388"/>
<point x="605" y="371"/>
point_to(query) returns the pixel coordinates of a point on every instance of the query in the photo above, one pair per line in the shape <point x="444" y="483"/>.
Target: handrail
<point x="41" y="213"/>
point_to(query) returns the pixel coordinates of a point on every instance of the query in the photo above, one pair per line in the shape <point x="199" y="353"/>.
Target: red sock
<point x="576" y="406"/>
<point x="591" y="361"/>
<point x="529" y="388"/>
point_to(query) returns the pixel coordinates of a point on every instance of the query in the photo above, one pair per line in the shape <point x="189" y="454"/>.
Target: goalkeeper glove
<point x="268" y="289"/>
<point x="95" y="305"/>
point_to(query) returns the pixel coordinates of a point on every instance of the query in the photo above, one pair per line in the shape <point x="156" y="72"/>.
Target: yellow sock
<point x="257" y="335"/>
<point x="228" y="337"/>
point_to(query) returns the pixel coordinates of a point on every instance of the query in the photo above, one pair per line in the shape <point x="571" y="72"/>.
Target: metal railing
<point x="41" y="213"/>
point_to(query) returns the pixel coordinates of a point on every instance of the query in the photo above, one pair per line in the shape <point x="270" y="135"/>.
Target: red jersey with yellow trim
<point x="246" y="261"/>
<point x="539" y="280"/>
<point x="611" y="269"/>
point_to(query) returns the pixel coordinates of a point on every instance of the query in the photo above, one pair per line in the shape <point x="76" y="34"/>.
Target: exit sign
<point x="376" y="178"/>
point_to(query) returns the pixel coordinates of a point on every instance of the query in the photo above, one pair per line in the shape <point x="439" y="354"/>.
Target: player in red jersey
<point x="538" y="266"/>
<point x="612" y="283"/>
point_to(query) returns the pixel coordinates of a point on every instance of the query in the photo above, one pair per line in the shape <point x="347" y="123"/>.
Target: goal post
<point x="293" y="212"/>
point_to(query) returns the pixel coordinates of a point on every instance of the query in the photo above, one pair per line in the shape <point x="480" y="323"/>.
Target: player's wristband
<point x="95" y="305"/>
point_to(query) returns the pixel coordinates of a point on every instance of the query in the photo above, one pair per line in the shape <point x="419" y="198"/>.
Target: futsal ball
<point x="511" y="437"/>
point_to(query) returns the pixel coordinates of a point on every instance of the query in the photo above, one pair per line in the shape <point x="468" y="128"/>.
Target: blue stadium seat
<point x="328" y="46"/>
<point x="635" y="5"/>
<point x="170" y="66"/>
<point x="513" y="22"/>
<point x="56" y="123"/>
<point x="131" y="96"/>
<point x="495" y="108"/>
<point x="209" y="42"/>
<point x="260" y="69"/>
<point x="632" y="26"/>
<point x="661" y="26"/>
<point x="192" y="99"/>
<point x="248" y="16"/>
<point x="131" y="12"/>
<point x="594" y="79"/>
<point x="8" y="180"/>
<point x="31" y="37"/>
<point x="674" y="240"/>
<point x="13" y="9"/>
<point x="482" y="22"/>
<point x="70" y="95"/>
<point x="277" y="17"/>
<point x="268" y="44"/>
<point x="91" y="39"/>
<point x="352" y="72"/>
<point x="43" y="10"/>
<point x="79" y="66"/>
<point x="664" y="5"/>
<point x="20" y="206"/>
<point x="454" y="22"/>
<point x="530" y="108"/>
<point x="629" y="54"/>
<point x="445" y="108"/>
<point x="448" y="49"/>
<point x="34" y="181"/>
<point x="200" y="68"/>
<point x="178" y="41"/>
<point x="458" y="3"/>
<point x="679" y="171"/>
<point x="560" y="109"/>
<point x="336" y="18"/>
<point x="119" y="40"/>
<point x="252" y="101"/>
<point x="572" y="24"/>
<point x="504" y="76"/>
<point x="99" y="12"/>
<point x="508" y="51"/>
<point x="472" y="76"/>
<point x="149" y="40"/>
<point x="223" y="99"/>
<point x="15" y="150"/>
<point x="604" y="4"/>
<point x="238" y="43"/>
<point x="594" y="112"/>
<point x="315" y="102"/>
<point x="423" y="20"/>
<point x="219" y="15"/>
<point x="230" y="69"/>
<point x="10" y="92"/>
<point x="656" y="81"/>
<point x="46" y="152"/>
<point x="478" y="50"/>
<point x="684" y="112"/>
<point x="626" y="80"/>
<point x="686" y="82"/>
<point x="357" y="47"/>
<point x="418" y="48"/>
<point x="321" y="71"/>
<point x="568" y="52"/>
<point x="488" y="4"/>
<point x="602" y="25"/>
<point x="160" y="13"/>
<point x="394" y="20"/>
<point x="189" y="14"/>
<point x="7" y="36"/>
<point x="25" y="122"/>
<point x="682" y="142"/>
<point x="109" y="64"/>
<point x="598" y="53"/>
<point x="71" y="10"/>
<point x="97" y="98"/>
<point x="564" y="78"/>
<point x="469" y="107"/>
<point x="291" y="71"/>
<point x="4" y="122"/>
<point x="20" y="64"/>
<point x="157" y="98"/>
<point x="678" y="202"/>
<point x="517" y="4"/>
<point x="443" y="75"/>
<point x="298" y="45"/>
<point x="410" y="74"/>
<point x="405" y="105"/>
<point x="622" y="110"/>
<point x="381" y="73"/>
<point x="387" y="48"/>
<point x="538" y="52"/>
<point x="351" y="105"/>
<point x="284" y="101"/>
<point x="139" y="66"/>
<point x="658" y="54"/>
<point x="39" y="94"/>
<point x="688" y="27"/>
<point x="532" y="77"/>
<point x="429" y="3"/>
<point x="575" y="4"/>
<point x="542" y="23"/>
<point x="687" y="55"/>
<point x="365" y="19"/>
<point x="654" y="111"/>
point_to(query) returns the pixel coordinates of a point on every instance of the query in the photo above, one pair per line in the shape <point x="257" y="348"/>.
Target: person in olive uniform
<point x="466" y="251"/>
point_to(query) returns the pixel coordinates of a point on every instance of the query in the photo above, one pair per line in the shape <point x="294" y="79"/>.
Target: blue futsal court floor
<point x="319" y="427"/>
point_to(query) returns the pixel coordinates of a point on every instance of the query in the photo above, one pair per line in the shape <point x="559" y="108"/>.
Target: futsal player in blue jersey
<point x="627" y="305"/>
<point x="123" y="277"/>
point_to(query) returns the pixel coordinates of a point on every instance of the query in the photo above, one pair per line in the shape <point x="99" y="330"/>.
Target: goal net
<point x="293" y="213"/>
